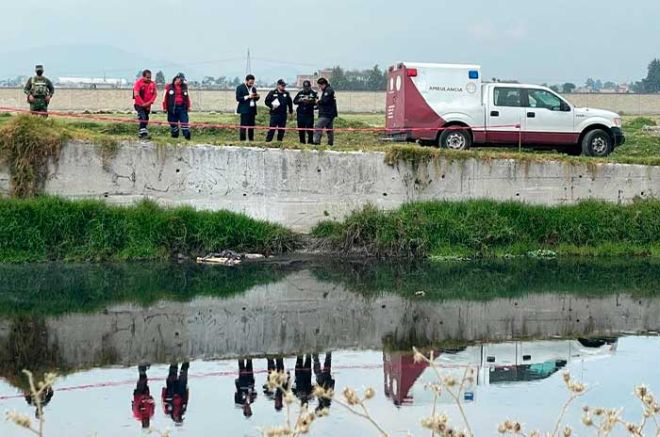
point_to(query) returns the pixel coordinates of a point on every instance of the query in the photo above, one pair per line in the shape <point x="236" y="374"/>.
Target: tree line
<point x="373" y="79"/>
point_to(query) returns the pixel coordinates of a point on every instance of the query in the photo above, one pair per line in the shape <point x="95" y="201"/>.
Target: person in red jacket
<point x="176" y="103"/>
<point x="144" y="94"/>
<point x="143" y="404"/>
<point x="175" y="393"/>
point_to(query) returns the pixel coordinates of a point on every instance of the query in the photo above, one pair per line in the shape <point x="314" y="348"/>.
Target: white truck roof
<point x="445" y="66"/>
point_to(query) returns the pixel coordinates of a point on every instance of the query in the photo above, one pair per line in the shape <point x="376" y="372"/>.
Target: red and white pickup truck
<point x="448" y="105"/>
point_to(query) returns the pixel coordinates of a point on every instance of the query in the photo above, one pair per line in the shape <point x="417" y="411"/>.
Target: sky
<point x="551" y="41"/>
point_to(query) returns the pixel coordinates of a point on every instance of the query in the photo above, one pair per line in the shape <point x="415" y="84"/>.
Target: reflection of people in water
<point x="303" y="375"/>
<point x="175" y="393"/>
<point x="324" y="378"/>
<point x="276" y="365"/>
<point x="45" y="396"/>
<point x="245" y="393"/>
<point x="143" y="403"/>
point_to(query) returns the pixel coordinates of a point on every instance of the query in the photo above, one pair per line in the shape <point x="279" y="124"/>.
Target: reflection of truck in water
<point x="448" y="105"/>
<point x="492" y="363"/>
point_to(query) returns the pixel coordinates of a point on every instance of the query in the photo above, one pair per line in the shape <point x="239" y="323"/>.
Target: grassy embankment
<point x="51" y="229"/>
<point x="45" y="229"/>
<point x="53" y="289"/>
<point x="494" y="229"/>
<point x="641" y="147"/>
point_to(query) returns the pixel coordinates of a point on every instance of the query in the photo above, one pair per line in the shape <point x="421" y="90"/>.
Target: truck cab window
<point x="511" y="97"/>
<point x="543" y="99"/>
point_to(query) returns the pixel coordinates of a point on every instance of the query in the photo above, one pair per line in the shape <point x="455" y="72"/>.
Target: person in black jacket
<point x="279" y="101"/>
<point x="306" y="101"/>
<point x="245" y="393"/>
<point x="327" y="112"/>
<point x="247" y="98"/>
<point x="303" y="379"/>
<point x="324" y="378"/>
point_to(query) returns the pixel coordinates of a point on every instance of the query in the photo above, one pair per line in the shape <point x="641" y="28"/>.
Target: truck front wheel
<point x="597" y="143"/>
<point x="455" y="138"/>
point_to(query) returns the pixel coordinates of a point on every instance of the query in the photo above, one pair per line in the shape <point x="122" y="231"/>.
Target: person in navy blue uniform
<point x="245" y="393"/>
<point x="327" y="105"/>
<point x="280" y="103"/>
<point x="303" y="379"/>
<point x="306" y="100"/>
<point x="324" y="378"/>
<point x="247" y="98"/>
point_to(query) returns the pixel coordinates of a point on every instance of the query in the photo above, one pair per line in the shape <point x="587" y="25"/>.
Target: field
<point x="641" y="147"/>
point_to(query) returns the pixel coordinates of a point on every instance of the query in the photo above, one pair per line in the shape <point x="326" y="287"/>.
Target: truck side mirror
<point x="564" y="107"/>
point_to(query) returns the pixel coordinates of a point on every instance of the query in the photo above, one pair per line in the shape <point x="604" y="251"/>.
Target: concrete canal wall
<point x="300" y="188"/>
<point x="303" y="314"/>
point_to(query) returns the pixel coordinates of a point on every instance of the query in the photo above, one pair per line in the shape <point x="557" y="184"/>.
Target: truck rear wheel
<point x="455" y="138"/>
<point x="597" y="143"/>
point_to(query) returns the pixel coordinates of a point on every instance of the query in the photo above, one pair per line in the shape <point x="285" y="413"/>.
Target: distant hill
<point x="82" y="61"/>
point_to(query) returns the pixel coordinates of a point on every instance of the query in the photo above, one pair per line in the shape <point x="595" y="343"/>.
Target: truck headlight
<point x="617" y="121"/>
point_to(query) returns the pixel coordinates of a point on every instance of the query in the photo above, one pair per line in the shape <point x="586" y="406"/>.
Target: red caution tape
<point x="210" y="375"/>
<point x="104" y="119"/>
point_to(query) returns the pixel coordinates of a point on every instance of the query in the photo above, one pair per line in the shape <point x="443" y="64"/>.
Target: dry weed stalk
<point x="37" y="390"/>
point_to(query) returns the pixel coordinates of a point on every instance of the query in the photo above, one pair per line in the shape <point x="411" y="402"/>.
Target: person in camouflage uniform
<point x="39" y="90"/>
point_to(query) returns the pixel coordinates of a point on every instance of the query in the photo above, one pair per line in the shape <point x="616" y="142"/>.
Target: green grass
<point x="641" y="147"/>
<point x="53" y="289"/>
<point x="45" y="228"/>
<point x="487" y="279"/>
<point x="26" y="145"/>
<point x="493" y="229"/>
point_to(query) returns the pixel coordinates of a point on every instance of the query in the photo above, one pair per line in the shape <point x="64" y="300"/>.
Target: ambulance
<point x="449" y="105"/>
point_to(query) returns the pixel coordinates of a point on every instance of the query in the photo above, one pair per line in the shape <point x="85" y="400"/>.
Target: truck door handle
<point x="531" y="115"/>
<point x="494" y="113"/>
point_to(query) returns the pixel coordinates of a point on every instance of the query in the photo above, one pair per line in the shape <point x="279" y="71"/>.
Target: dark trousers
<point x="276" y="364"/>
<point x="177" y="382"/>
<point x="142" y="386"/>
<point x="276" y="120"/>
<point x="306" y="122"/>
<point x="248" y="119"/>
<point x="40" y="105"/>
<point x="303" y="374"/>
<point x="179" y="115"/>
<point x="143" y="116"/>
<point x="325" y="124"/>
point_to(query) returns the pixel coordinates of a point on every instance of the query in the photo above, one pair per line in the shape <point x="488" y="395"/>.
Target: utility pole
<point x="248" y="65"/>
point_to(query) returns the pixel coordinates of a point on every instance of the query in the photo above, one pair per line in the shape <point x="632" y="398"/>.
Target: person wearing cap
<point x="247" y="98"/>
<point x="327" y="112"/>
<point x="144" y="94"/>
<point x="279" y="101"/>
<point x="306" y="101"/>
<point x="176" y="103"/>
<point x="39" y="90"/>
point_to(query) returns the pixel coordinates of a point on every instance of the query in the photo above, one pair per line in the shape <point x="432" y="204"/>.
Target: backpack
<point x="39" y="87"/>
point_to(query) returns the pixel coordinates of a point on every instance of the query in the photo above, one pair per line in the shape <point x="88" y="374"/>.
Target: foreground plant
<point x="37" y="392"/>
<point x="603" y="421"/>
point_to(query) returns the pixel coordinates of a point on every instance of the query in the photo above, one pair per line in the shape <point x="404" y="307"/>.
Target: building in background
<point x="91" y="82"/>
<point x="326" y="72"/>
